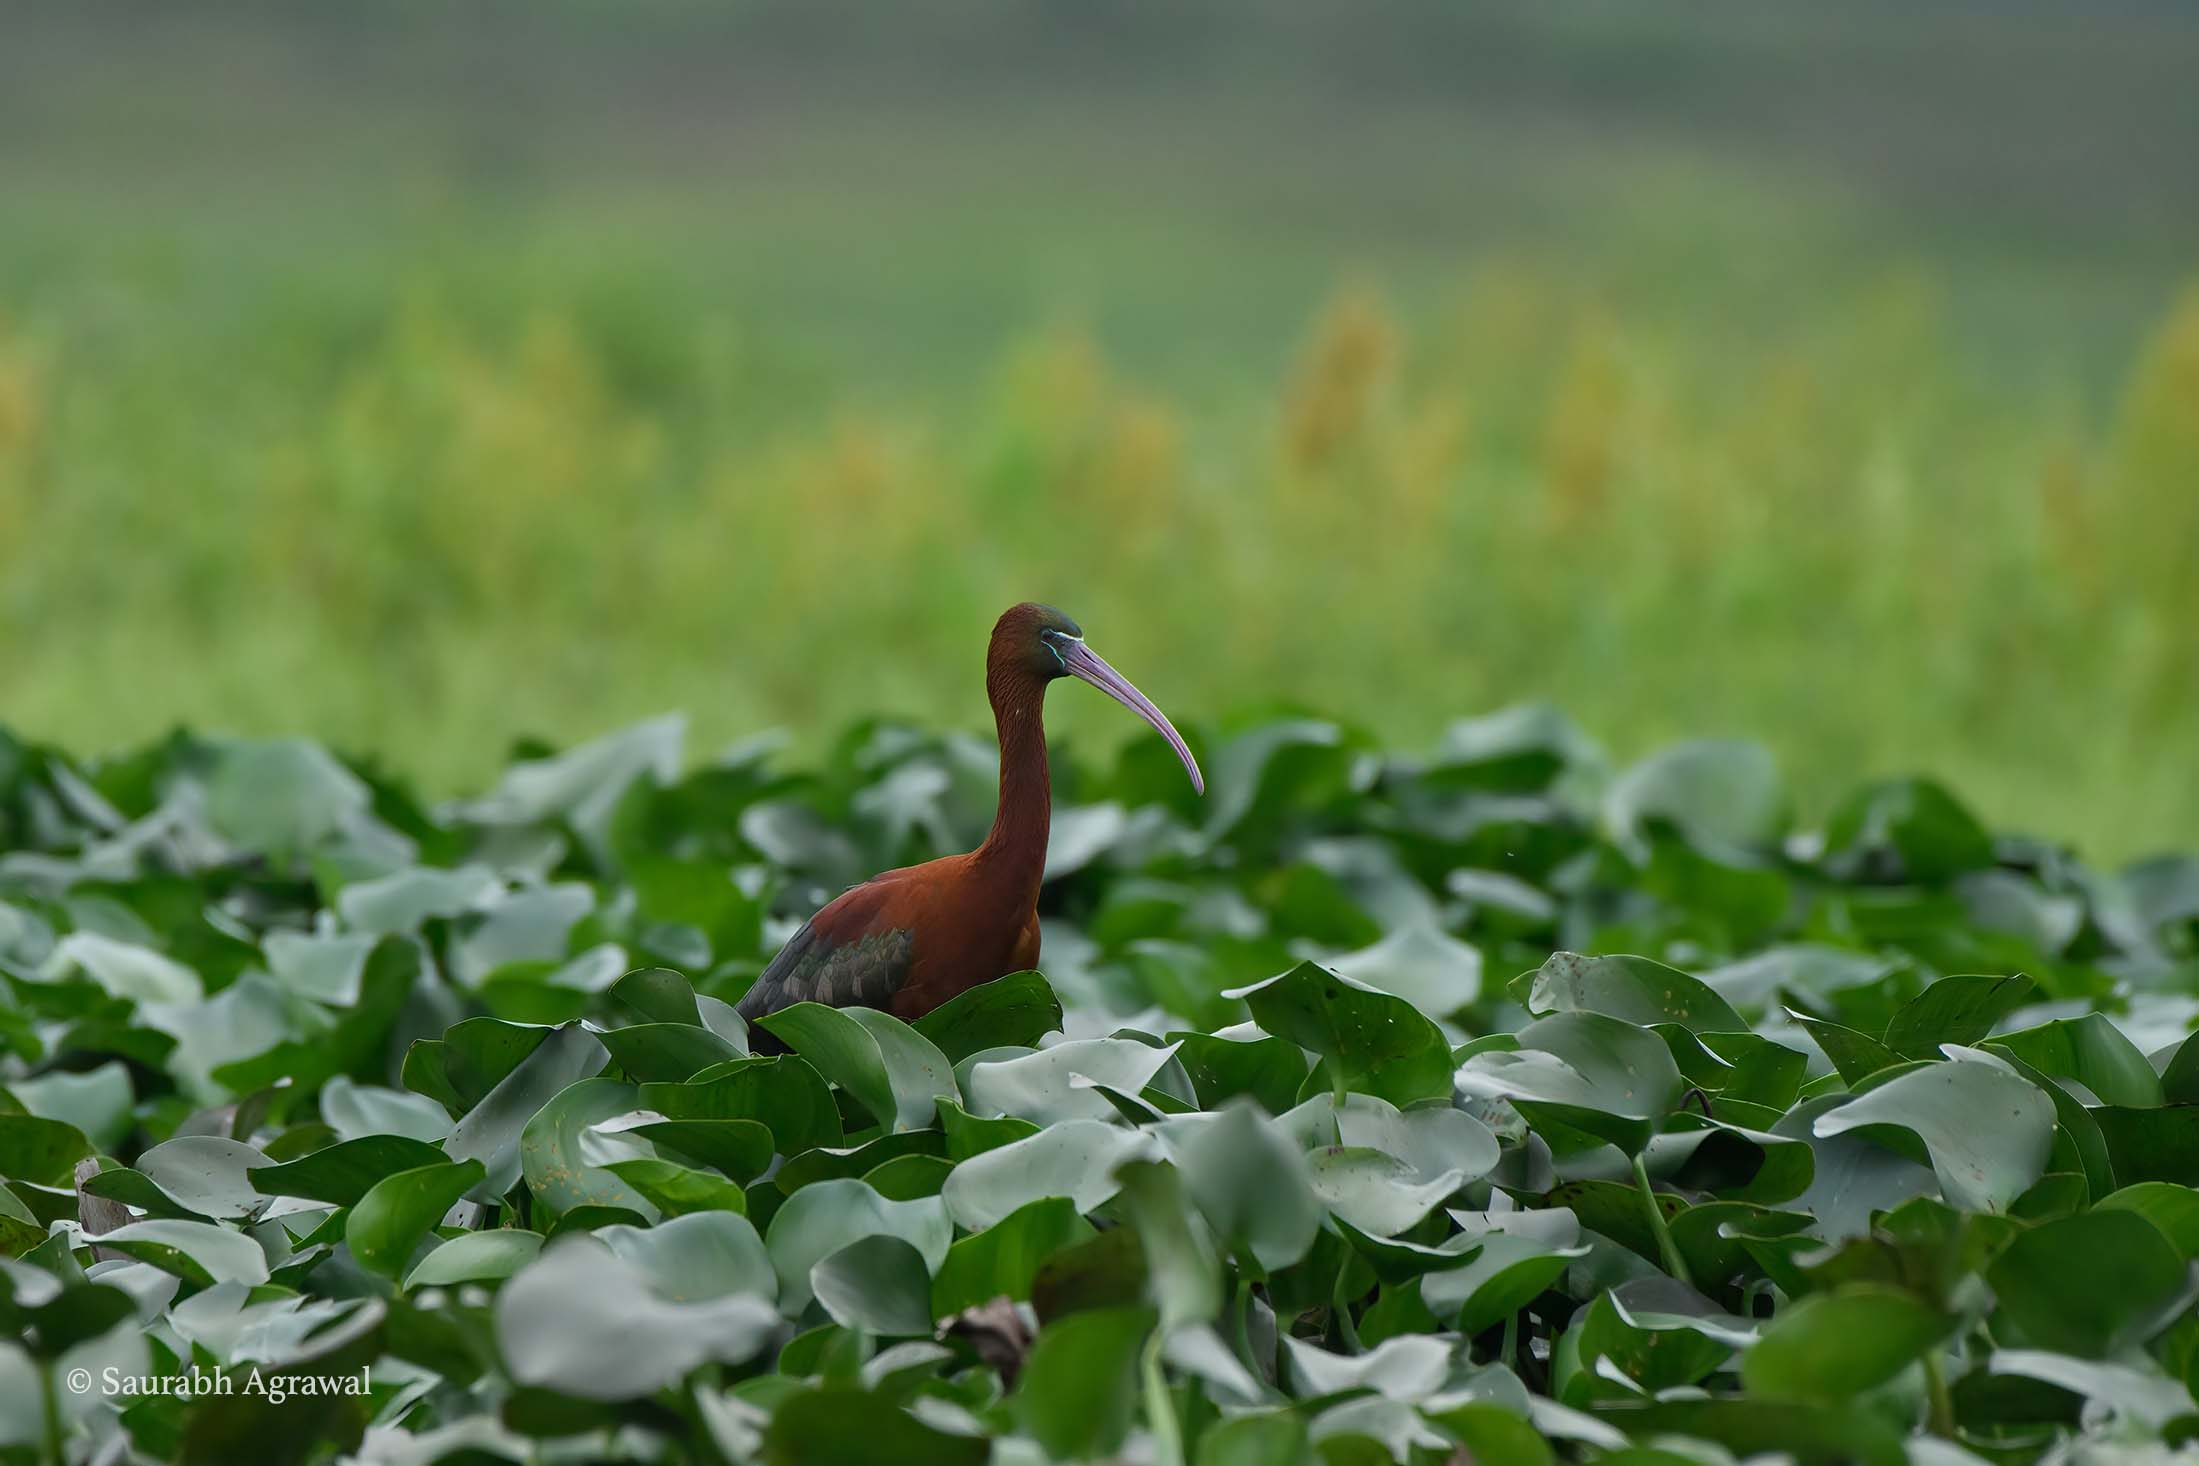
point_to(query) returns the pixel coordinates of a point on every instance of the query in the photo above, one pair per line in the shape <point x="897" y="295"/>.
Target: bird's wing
<point x="851" y="954"/>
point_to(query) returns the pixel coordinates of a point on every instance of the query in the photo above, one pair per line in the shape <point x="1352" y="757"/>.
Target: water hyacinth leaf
<point x="658" y="995"/>
<point x="1988" y="1131"/>
<point x="2174" y="1209"/>
<point x="340" y="1174"/>
<point x="356" y="1110"/>
<point x="1721" y="791"/>
<point x="1043" y="1088"/>
<point x="1181" y="1262"/>
<point x="472" y="1057"/>
<point x="1509" y="1272"/>
<point x="490" y="1132"/>
<point x="210" y="1175"/>
<point x="1955" y="1010"/>
<point x="1633" y="989"/>
<point x="96" y="1102"/>
<point x="1419" y="962"/>
<point x="1002" y="1260"/>
<point x="1855" y="1056"/>
<point x="781" y="1092"/>
<point x="1079" y="1389"/>
<point x="878" y="1284"/>
<point x="551" y="1148"/>
<point x="820" y="1219"/>
<point x="838" y="1424"/>
<point x="1584" y="1070"/>
<point x="666" y="1052"/>
<point x="1075" y="1159"/>
<point x="1253" y="1187"/>
<point x="582" y="1321"/>
<point x="1830" y="1347"/>
<point x="673" y="1189"/>
<point x="1434" y="1139"/>
<point x="42" y="1152"/>
<point x="475" y="1257"/>
<point x="1267" y="1070"/>
<point x="1375" y="1191"/>
<point x="1375" y="1042"/>
<point x="2091" y="1283"/>
<point x="740" y="1148"/>
<point x="1274" y="1438"/>
<point x="1911" y="828"/>
<point x="836" y="1162"/>
<point x="389" y="1221"/>
<point x="892" y="1069"/>
<point x="1016" y="1010"/>
<point x="2139" y="1397"/>
<point x="1409" y="1368"/>
<point x="701" y="1255"/>
<point x="2092" y="1051"/>
<point x="203" y="1253"/>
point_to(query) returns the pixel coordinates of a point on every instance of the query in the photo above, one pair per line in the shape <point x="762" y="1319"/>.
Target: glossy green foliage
<point x="1383" y="1109"/>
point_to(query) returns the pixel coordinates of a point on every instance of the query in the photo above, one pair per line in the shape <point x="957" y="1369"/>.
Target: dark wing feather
<point x="848" y="955"/>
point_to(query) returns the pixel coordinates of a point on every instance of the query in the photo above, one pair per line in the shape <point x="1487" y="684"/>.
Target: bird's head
<point x="1042" y="643"/>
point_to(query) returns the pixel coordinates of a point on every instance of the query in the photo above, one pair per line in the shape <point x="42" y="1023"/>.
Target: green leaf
<point x="781" y="1092"/>
<point x="1722" y="791"/>
<point x="674" y="1189"/>
<point x="878" y="1284"/>
<point x="1582" y="1070"/>
<point x="1907" y="827"/>
<point x="1955" y="1010"/>
<point x="1058" y="1084"/>
<point x="475" y="1257"/>
<point x="42" y="1152"/>
<point x="198" y="1252"/>
<point x="1375" y="1042"/>
<point x="2174" y="1209"/>
<point x="1857" y="1056"/>
<point x="1079" y="1390"/>
<point x="1075" y="1159"/>
<point x="2091" y="1050"/>
<point x="550" y="1148"/>
<point x="820" y="1219"/>
<point x="1252" y="1185"/>
<point x="492" y="1129"/>
<point x="207" y="1174"/>
<point x="389" y="1221"/>
<point x="580" y="1320"/>
<point x="658" y="995"/>
<point x="849" y="1425"/>
<point x="1633" y="989"/>
<point x="666" y="1052"/>
<point x="697" y="1256"/>
<point x="1987" y="1130"/>
<point x="891" y="1069"/>
<point x="1830" y="1347"/>
<point x="1268" y="1070"/>
<point x="2089" y="1284"/>
<point x="342" y="1173"/>
<point x="1013" y="1011"/>
<point x="1003" y="1259"/>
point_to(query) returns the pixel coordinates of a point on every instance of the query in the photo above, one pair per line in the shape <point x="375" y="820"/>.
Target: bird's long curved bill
<point x="1087" y="665"/>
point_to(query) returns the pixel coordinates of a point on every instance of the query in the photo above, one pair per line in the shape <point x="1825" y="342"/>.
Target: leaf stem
<point x="1941" y="1421"/>
<point x="1666" y="1247"/>
<point x="1160" y="1411"/>
<point x="54" y="1451"/>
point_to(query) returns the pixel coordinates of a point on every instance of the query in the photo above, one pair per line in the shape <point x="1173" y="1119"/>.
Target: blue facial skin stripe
<point x="1054" y="646"/>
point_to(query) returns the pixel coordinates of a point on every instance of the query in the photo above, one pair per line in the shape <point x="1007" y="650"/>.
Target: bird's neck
<point x="1016" y="847"/>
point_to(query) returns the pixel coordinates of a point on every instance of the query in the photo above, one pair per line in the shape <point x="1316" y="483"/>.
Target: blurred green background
<point x="418" y="376"/>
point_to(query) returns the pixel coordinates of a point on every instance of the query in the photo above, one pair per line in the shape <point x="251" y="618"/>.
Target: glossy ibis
<point x="910" y="939"/>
